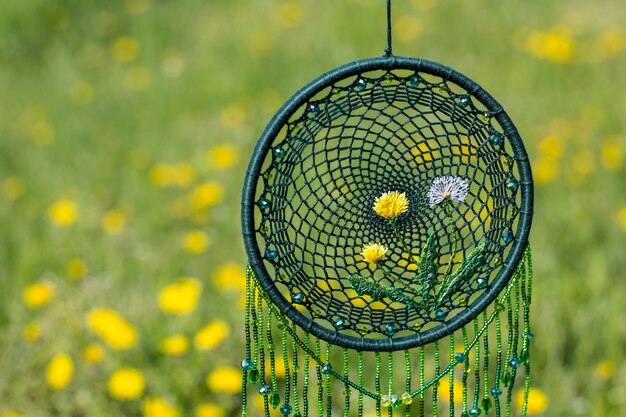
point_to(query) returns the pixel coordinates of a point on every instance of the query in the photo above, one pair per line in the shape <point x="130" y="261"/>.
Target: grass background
<point x="86" y="118"/>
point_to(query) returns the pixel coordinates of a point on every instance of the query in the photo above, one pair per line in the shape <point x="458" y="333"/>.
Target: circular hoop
<point x="516" y="227"/>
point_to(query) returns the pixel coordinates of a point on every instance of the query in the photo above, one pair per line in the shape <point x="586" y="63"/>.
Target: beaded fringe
<point x="462" y="375"/>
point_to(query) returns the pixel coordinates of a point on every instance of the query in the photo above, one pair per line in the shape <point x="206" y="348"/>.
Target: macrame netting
<point x="417" y="319"/>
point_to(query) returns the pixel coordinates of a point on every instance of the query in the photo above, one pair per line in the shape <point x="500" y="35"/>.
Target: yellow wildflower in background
<point x="125" y="49"/>
<point x="604" y="370"/>
<point x="206" y="195"/>
<point x="288" y="14"/>
<point x="391" y="204"/>
<point x="11" y="415"/>
<point x="63" y="212"/>
<point x="76" y="268"/>
<point x="113" y="222"/>
<point x="173" y="63"/>
<point x="38" y="294"/>
<point x="612" y="156"/>
<point x="176" y="345"/>
<point x="31" y="332"/>
<point x="408" y="28"/>
<point x="555" y="45"/>
<point x="209" y="410"/>
<point x="225" y="380"/>
<point x="231" y="276"/>
<point x="457" y="391"/>
<point x="157" y="407"/>
<point x="59" y="371"/>
<point x="166" y="175"/>
<point x="126" y="384"/>
<point x="93" y="353"/>
<point x="537" y="400"/>
<point x="545" y="171"/>
<point x="233" y="117"/>
<point x="196" y="242"/>
<point x="373" y="252"/>
<point x="180" y="297"/>
<point x="112" y="328"/>
<point x="223" y="156"/>
<point x="211" y="335"/>
<point x="12" y="188"/>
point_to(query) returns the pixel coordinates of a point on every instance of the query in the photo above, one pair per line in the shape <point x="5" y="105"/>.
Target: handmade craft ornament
<point x="386" y="213"/>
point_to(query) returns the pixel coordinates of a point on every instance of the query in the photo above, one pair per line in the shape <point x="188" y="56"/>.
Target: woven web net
<point x="365" y="135"/>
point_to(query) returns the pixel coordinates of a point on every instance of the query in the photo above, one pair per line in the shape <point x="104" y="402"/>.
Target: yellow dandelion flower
<point x="180" y="297"/>
<point x="223" y="156"/>
<point x="162" y="175"/>
<point x="230" y="276"/>
<point x="211" y="335"/>
<point x="373" y="252"/>
<point x="176" y="345"/>
<point x="113" y="222"/>
<point x="391" y="204"/>
<point x="12" y="188"/>
<point x="93" y="353"/>
<point x="545" y="171"/>
<point x="206" y="195"/>
<point x="125" y="49"/>
<point x="81" y="93"/>
<point x="32" y="331"/>
<point x="225" y="380"/>
<point x="537" y="400"/>
<point x="408" y="28"/>
<point x="112" y="328"/>
<point x="38" y="294"/>
<point x="604" y="370"/>
<point x="209" y="410"/>
<point x="612" y="157"/>
<point x="457" y="391"/>
<point x="157" y="407"/>
<point x="184" y="175"/>
<point x="288" y="14"/>
<point x="10" y="415"/>
<point x="196" y="242"/>
<point x="126" y="384"/>
<point x="76" y="268"/>
<point x="59" y="371"/>
<point x="555" y="45"/>
<point x="63" y="212"/>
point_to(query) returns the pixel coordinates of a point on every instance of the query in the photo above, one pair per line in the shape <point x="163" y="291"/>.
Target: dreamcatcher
<point x="386" y="212"/>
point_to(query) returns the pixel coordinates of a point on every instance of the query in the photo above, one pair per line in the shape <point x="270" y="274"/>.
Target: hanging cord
<point x="388" y="48"/>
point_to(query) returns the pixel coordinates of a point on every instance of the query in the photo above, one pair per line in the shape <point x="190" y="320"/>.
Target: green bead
<point x="486" y="405"/>
<point x="297" y="414"/>
<point x="275" y="399"/>
<point x="524" y="357"/>
<point x="406" y="398"/>
<point x="506" y="379"/>
<point x="500" y="307"/>
<point x="415" y="81"/>
<point x="464" y="101"/>
<point x="385" y="401"/>
<point x="474" y="412"/>
<point x="254" y="376"/>
<point x="395" y="401"/>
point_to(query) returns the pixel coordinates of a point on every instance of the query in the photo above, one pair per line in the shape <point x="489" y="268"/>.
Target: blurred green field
<point x="125" y="130"/>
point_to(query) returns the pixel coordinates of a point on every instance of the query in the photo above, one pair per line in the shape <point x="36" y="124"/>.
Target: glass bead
<point x="347" y="392"/>
<point x="482" y="282"/>
<point x="254" y="376"/>
<point x="496" y="392"/>
<point x="512" y="185"/>
<point x="463" y="302"/>
<point x="247" y="365"/>
<point x="271" y="255"/>
<point x="496" y="261"/>
<point x="415" y="81"/>
<point x="395" y="401"/>
<point x="506" y="378"/>
<point x="461" y="357"/>
<point x="406" y="398"/>
<point x="524" y="357"/>
<point x="360" y="84"/>
<point x="264" y="204"/>
<point x="513" y="211"/>
<point x="278" y="153"/>
<point x="530" y="336"/>
<point x="340" y="324"/>
<point x="464" y="101"/>
<point x="265" y="230"/>
<point x="507" y="237"/>
<point x="294" y="128"/>
<point x="297" y="298"/>
<point x="275" y="399"/>
<point x="285" y="409"/>
<point x="335" y="92"/>
<point x="514" y="362"/>
<point x="418" y="326"/>
<point x="264" y="390"/>
<point x="388" y="79"/>
<point x="485" y="116"/>
<point x="443" y="88"/>
<point x="500" y="307"/>
<point x="486" y="405"/>
<point x="385" y="401"/>
<point x="440" y="314"/>
<point x="326" y="368"/>
<point x="268" y="175"/>
<point x="390" y="330"/>
<point x="314" y="109"/>
<point x="474" y="412"/>
<point x="509" y="161"/>
<point x="496" y="139"/>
